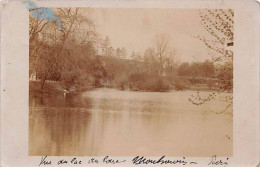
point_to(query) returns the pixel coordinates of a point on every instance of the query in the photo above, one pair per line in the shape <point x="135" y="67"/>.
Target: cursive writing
<point x="142" y="160"/>
<point x="93" y="161"/>
<point x="138" y="160"/>
<point x="218" y="162"/>
<point x="60" y="162"/>
<point x="44" y="161"/>
<point x="75" y="161"/>
<point x="108" y="160"/>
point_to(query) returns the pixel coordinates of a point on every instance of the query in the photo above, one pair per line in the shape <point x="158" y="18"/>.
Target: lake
<point x="126" y="123"/>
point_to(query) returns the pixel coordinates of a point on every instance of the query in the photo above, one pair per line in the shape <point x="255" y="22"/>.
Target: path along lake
<point x="126" y="123"/>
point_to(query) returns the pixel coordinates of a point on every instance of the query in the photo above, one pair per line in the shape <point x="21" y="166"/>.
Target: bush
<point x="210" y="84"/>
<point x="145" y="82"/>
<point x="181" y="84"/>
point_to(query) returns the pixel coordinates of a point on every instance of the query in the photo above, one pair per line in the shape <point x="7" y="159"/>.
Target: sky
<point x="136" y="29"/>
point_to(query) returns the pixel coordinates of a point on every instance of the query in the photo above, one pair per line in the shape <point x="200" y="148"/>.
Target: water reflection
<point x="120" y="123"/>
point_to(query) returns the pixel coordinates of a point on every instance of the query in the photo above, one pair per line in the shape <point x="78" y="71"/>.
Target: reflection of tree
<point x="219" y="24"/>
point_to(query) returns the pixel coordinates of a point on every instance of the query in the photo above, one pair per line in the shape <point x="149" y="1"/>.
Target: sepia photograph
<point x="130" y="81"/>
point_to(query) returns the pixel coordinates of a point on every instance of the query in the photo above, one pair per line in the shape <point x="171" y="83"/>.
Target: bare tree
<point x="51" y="40"/>
<point x="170" y="62"/>
<point x="149" y="59"/>
<point x="162" y="44"/>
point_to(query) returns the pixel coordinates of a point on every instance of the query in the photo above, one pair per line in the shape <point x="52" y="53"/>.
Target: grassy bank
<point x="50" y="89"/>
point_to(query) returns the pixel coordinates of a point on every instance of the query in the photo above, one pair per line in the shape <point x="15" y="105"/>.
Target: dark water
<point x="123" y="123"/>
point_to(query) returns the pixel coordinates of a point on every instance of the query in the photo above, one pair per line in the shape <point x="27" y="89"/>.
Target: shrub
<point x="181" y="84"/>
<point x="145" y="82"/>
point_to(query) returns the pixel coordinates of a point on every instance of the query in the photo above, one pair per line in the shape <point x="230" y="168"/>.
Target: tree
<point x="132" y="56"/>
<point x="170" y="62"/>
<point x="150" y="60"/>
<point x="98" y="71"/>
<point x="118" y="52"/>
<point x="195" y="70"/>
<point x="162" y="44"/>
<point x="184" y="70"/>
<point x="53" y="42"/>
<point x="208" y="69"/>
<point x="225" y="72"/>
<point x="123" y="52"/>
<point x="106" y="47"/>
<point x="111" y="51"/>
<point x="219" y="23"/>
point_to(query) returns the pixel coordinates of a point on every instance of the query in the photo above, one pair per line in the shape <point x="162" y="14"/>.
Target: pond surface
<point x="124" y="123"/>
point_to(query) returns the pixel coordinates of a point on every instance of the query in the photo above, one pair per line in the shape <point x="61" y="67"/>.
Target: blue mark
<point x="45" y="14"/>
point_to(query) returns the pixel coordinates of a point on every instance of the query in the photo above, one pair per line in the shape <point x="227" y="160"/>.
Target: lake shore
<point x="53" y="88"/>
<point x="50" y="89"/>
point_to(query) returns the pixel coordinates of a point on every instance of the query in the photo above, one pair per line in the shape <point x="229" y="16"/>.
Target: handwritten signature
<point x="142" y="160"/>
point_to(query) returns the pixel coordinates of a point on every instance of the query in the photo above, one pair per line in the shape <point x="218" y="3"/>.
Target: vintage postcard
<point x="130" y="83"/>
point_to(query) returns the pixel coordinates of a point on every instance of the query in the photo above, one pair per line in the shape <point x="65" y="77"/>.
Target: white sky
<point x="135" y="29"/>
